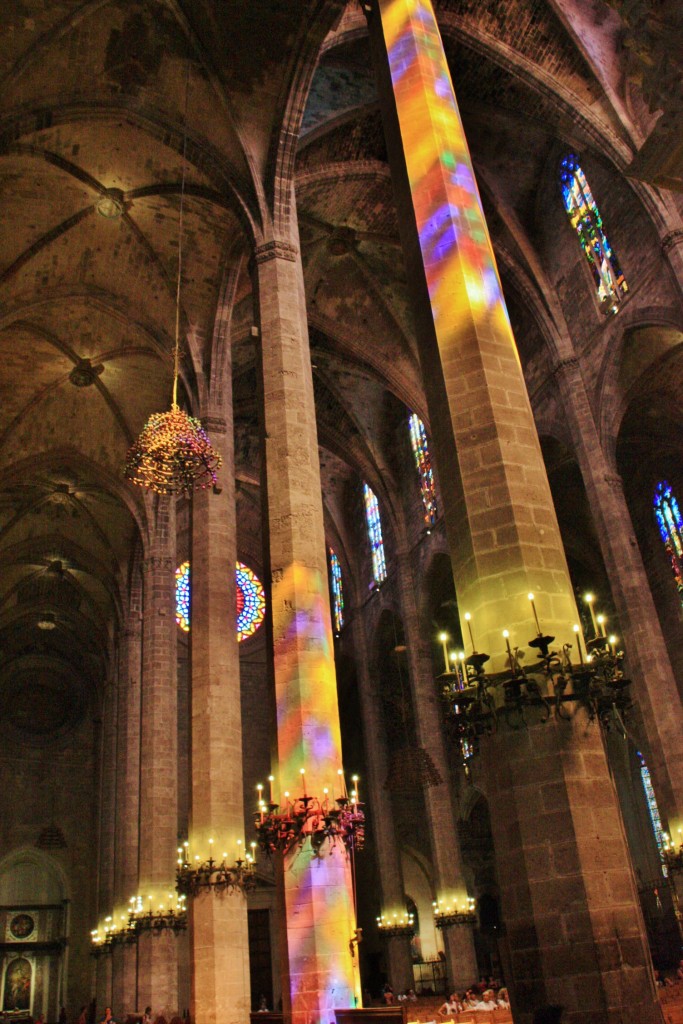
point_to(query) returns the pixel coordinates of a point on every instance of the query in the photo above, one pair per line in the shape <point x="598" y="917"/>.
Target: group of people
<point x="475" y="999"/>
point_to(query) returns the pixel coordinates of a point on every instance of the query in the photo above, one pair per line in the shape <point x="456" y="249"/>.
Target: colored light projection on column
<point x="585" y="218"/>
<point x="423" y="461"/>
<point x="318" y="889"/>
<point x="671" y="530"/>
<point x="374" y="524"/>
<point x="337" y="591"/>
<point x="456" y="250"/>
<point x="251" y="600"/>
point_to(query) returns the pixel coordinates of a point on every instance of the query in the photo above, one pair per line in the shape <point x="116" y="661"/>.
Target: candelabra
<point x="210" y="874"/>
<point x="392" y="925"/>
<point x="341" y="820"/>
<point x="448" y="914"/>
<point x="138" y="920"/>
<point x="477" y="702"/>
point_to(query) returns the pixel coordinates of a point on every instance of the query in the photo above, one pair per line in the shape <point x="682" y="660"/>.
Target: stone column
<point x="399" y="958"/>
<point x="318" y="891"/>
<point x="441" y="819"/>
<point x="105" y="897"/>
<point x="218" y="923"/>
<point x="648" y="661"/>
<point x="574" y="928"/>
<point x="500" y="520"/>
<point x="124" y="958"/>
<point x="157" y="961"/>
<point x="548" y="786"/>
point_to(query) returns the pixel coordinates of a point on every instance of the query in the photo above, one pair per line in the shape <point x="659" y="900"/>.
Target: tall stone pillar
<point x="399" y="958"/>
<point x="461" y="958"/>
<point x="158" y="839"/>
<point x="218" y="923"/>
<point x="105" y="896"/>
<point x="648" y="661"/>
<point x="548" y="785"/>
<point x="318" y="890"/>
<point x="124" y="957"/>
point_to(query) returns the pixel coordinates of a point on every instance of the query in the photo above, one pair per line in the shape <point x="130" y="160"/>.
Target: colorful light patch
<point x="670" y="525"/>
<point x="585" y="218"/>
<point x="251" y="600"/>
<point x="423" y="462"/>
<point x="337" y="591"/>
<point x="379" y="565"/>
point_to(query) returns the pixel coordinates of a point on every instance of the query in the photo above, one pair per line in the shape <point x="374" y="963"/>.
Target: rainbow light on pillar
<point x="454" y="241"/>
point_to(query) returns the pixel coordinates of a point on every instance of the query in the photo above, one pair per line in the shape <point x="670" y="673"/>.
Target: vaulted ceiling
<point x="103" y="103"/>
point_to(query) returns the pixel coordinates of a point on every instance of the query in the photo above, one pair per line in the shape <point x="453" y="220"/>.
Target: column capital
<point x="276" y="249"/>
<point x="568" y="367"/>
<point x="215" y="424"/>
<point x="154" y="562"/>
<point x="671" y="240"/>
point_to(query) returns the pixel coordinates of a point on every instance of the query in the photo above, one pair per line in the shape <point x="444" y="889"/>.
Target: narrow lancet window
<point x="423" y="461"/>
<point x="671" y="530"/>
<point x="379" y="565"/>
<point x="585" y="218"/>
<point x="337" y="592"/>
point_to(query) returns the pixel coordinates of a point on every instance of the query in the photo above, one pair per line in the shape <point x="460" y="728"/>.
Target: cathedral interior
<point x="246" y="179"/>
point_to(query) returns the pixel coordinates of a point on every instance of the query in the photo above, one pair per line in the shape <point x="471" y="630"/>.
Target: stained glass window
<point x="671" y="530"/>
<point x="337" y="592"/>
<point x="182" y="596"/>
<point x="251" y="600"/>
<point x="652" y="806"/>
<point x="586" y="220"/>
<point x="423" y="461"/>
<point x="379" y="565"/>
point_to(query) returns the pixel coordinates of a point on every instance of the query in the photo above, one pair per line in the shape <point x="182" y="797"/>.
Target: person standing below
<point x="108" y="1016"/>
<point x="147" y="1015"/>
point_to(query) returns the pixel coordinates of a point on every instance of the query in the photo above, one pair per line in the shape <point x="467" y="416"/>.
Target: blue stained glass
<point x="251" y="600"/>
<point x="652" y="807"/>
<point x="423" y="461"/>
<point x="670" y="525"/>
<point x="585" y="218"/>
<point x="379" y="565"/>
<point x="337" y="592"/>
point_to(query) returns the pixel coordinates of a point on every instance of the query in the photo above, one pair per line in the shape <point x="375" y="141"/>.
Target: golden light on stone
<point x="173" y="455"/>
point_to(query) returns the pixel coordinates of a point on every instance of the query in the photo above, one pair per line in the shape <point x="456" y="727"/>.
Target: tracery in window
<point x="251" y="600"/>
<point x="379" y="565"/>
<point x="337" y="591"/>
<point x="586" y="220"/>
<point x="671" y="530"/>
<point x="423" y="461"/>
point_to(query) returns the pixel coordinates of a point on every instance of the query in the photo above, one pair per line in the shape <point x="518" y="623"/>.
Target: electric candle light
<point x="601" y="624"/>
<point x="509" y="650"/>
<point x="302" y="772"/>
<point x="463" y="667"/>
<point x="578" y="642"/>
<point x="443" y="637"/>
<point x="270" y="786"/>
<point x="589" y="598"/>
<point x="533" y="608"/>
<point x="468" y="620"/>
<point x="354" y="779"/>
